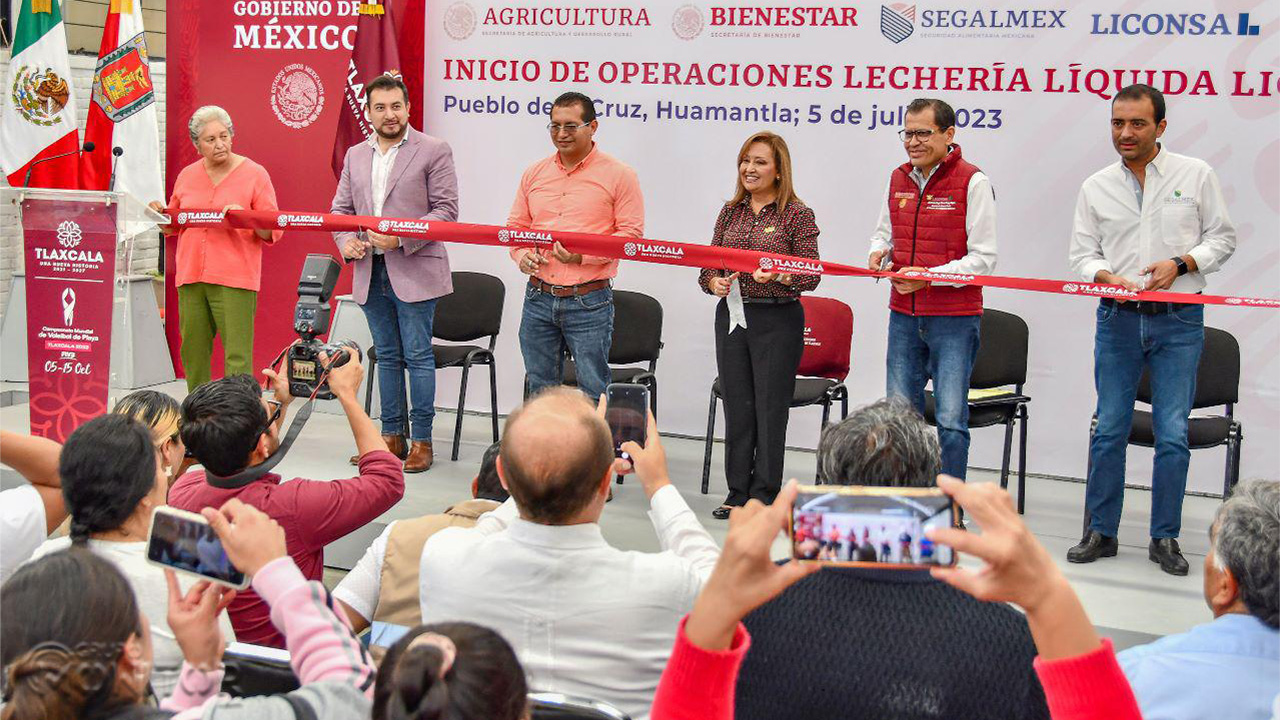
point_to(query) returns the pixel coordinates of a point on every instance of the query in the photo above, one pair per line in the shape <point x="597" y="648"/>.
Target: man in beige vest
<point x="382" y="590"/>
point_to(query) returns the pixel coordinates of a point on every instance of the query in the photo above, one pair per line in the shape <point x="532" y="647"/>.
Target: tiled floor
<point x="1127" y="596"/>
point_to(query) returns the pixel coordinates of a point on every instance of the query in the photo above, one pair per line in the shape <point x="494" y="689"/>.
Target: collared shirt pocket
<point x="1180" y="225"/>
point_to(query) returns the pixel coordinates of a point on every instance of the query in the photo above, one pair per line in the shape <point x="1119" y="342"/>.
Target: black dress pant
<point x="757" y="367"/>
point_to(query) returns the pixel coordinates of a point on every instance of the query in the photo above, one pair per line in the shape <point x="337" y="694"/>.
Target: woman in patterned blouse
<point x="757" y="364"/>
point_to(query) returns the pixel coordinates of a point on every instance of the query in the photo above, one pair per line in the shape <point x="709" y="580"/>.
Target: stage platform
<point x="1128" y="597"/>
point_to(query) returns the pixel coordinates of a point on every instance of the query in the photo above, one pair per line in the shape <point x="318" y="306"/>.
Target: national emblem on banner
<point x="897" y="21"/>
<point x="460" y="20"/>
<point x="122" y="80"/>
<point x="687" y="22"/>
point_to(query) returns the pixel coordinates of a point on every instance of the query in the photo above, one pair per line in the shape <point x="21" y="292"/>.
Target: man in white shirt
<point x="30" y="512"/>
<point x="382" y="590"/>
<point x="1153" y="221"/>
<point x="938" y="214"/>
<point x="584" y="617"/>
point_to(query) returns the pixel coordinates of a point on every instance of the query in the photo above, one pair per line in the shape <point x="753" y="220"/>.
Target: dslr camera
<point x="310" y="320"/>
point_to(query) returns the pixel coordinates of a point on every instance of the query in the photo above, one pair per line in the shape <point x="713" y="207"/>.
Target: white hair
<point x="203" y="116"/>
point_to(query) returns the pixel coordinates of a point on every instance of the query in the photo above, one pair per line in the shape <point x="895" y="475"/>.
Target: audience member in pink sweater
<point x="1079" y="672"/>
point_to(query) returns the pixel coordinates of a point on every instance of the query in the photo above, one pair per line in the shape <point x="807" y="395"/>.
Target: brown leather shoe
<point x="420" y="457"/>
<point x="395" y="444"/>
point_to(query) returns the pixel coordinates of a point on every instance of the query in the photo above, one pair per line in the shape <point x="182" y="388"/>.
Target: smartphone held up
<point x="864" y="526"/>
<point x="185" y="542"/>
<point x="627" y="413"/>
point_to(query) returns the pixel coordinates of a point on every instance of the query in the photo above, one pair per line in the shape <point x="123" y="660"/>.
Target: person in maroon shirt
<point x="229" y="426"/>
<point x="758" y="363"/>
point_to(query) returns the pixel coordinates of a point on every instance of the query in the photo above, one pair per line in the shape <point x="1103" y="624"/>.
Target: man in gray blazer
<point x="400" y="173"/>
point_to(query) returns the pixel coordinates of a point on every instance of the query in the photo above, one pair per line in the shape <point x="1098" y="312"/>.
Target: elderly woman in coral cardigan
<point x="219" y="269"/>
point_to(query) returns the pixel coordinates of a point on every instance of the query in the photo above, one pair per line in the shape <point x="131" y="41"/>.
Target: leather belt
<point x="564" y="291"/>
<point x="1146" y="307"/>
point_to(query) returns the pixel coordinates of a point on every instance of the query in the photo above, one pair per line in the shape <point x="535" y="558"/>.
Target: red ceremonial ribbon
<point x="665" y="252"/>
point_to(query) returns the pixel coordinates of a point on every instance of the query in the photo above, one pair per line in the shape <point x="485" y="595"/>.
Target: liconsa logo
<point x="287" y="219"/>
<point x="1172" y="24"/>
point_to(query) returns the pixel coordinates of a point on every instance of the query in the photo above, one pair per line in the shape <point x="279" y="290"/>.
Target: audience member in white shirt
<point x="584" y="617"/>
<point x="30" y="512"/>
<point x="113" y="478"/>
<point x="382" y="590"/>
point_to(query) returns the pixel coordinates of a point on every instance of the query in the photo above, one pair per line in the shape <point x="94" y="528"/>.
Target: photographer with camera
<point x="230" y="428"/>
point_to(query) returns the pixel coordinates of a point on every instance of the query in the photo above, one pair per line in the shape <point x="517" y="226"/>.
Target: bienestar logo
<point x="784" y="16"/>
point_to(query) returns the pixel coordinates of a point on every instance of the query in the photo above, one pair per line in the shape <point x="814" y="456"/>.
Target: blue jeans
<point x="583" y="324"/>
<point x="402" y="337"/>
<point x="1125" y="342"/>
<point x="941" y="347"/>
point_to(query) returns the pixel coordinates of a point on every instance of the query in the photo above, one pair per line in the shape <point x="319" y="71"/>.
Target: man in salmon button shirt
<point x="569" y="300"/>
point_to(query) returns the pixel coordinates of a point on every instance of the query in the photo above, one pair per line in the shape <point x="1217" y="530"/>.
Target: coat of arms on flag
<point x="39" y="95"/>
<point x="897" y="21"/>
<point x="122" y="80"/>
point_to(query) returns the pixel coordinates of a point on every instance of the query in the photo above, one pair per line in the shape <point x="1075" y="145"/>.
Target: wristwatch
<point x="1182" y="265"/>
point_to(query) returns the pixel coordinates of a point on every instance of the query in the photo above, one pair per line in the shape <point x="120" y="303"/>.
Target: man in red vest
<point x="939" y="214"/>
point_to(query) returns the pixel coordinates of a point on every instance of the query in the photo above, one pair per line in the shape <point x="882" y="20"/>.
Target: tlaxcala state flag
<point x="123" y="112"/>
<point x="37" y="112"/>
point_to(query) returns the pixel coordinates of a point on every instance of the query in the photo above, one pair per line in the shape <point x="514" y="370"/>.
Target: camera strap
<point x="248" y="475"/>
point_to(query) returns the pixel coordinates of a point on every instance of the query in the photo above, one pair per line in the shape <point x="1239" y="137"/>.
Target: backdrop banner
<point x="679" y="86"/>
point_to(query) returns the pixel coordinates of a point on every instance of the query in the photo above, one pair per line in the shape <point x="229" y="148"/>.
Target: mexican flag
<point x="123" y="112"/>
<point x="37" y="111"/>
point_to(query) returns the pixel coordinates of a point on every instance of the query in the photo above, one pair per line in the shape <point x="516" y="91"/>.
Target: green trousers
<point x="206" y="310"/>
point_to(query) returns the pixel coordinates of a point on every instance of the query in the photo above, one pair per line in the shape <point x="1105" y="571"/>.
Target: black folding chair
<point x="1001" y="362"/>
<point x="473" y="311"/>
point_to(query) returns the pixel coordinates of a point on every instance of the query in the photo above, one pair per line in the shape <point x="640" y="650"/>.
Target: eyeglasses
<point x="571" y="128"/>
<point x="277" y="407"/>
<point x="921" y="135"/>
